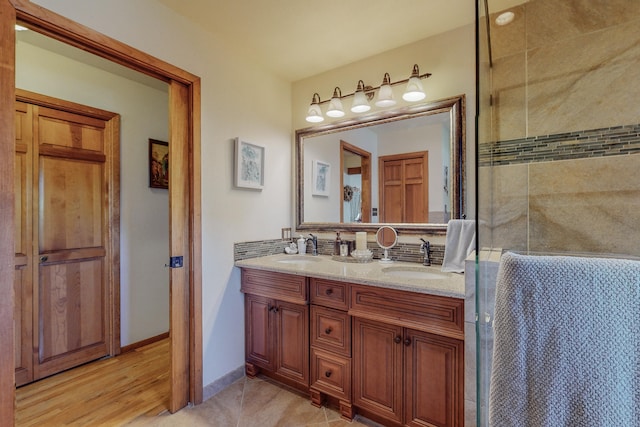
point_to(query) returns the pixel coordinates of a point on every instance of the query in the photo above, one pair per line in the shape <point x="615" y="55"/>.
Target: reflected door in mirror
<point x="404" y="188"/>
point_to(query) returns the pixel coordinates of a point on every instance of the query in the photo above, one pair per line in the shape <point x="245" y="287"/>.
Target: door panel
<point x="71" y="205"/>
<point x="258" y="340"/>
<point x="404" y="187"/>
<point x="377" y="368"/>
<point x="434" y="380"/>
<point x="293" y="341"/>
<point x="71" y="195"/>
<point x="72" y="312"/>
<point x="22" y="282"/>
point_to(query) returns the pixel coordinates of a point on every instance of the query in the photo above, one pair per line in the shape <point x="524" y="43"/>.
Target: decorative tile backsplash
<point x="401" y="252"/>
<point x="613" y="141"/>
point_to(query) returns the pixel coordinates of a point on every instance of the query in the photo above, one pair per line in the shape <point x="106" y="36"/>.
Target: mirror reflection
<point x="402" y="168"/>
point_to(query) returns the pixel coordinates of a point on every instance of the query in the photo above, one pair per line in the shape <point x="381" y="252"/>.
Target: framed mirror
<point x="404" y="168"/>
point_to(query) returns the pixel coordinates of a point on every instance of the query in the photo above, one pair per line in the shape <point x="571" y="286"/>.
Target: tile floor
<point x="252" y="402"/>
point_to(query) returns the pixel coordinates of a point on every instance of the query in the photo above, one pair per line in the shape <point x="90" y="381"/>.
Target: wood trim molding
<point x="7" y="255"/>
<point x="145" y="342"/>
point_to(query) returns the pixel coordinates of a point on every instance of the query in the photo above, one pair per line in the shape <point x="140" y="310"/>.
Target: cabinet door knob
<point x="397" y="339"/>
<point x="327" y="374"/>
<point x="329" y="291"/>
<point x="407" y="342"/>
<point x="44" y="258"/>
<point x="328" y="330"/>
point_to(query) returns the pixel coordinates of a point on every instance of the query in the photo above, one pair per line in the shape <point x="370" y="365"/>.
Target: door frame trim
<point x="67" y="31"/>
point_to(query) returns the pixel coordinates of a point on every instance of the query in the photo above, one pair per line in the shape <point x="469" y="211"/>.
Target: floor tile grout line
<point x="244" y="386"/>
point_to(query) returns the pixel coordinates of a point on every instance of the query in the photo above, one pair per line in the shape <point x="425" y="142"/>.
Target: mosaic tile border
<point x="613" y="141"/>
<point x="401" y="252"/>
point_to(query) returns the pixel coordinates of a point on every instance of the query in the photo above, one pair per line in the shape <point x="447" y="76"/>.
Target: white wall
<point x="144" y="216"/>
<point x="450" y="57"/>
<point x="238" y="99"/>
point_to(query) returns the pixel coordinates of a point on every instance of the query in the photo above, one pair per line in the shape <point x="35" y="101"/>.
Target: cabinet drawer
<point x="331" y="374"/>
<point x="280" y="286"/>
<point x="331" y="330"/>
<point x="329" y="293"/>
<point x="429" y="313"/>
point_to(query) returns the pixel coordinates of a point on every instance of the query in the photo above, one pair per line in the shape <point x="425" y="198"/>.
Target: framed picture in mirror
<point x="321" y="172"/>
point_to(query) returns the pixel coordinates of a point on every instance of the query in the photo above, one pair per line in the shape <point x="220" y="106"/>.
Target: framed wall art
<point x="249" y="165"/>
<point x="158" y="164"/>
<point x="321" y="176"/>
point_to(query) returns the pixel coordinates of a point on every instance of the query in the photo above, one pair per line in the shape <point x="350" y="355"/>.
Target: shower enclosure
<point x="558" y="139"/>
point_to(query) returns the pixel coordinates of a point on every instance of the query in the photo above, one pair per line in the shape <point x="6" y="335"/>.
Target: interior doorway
<point x="184" y="192"/>
<point x="355" y="180"/>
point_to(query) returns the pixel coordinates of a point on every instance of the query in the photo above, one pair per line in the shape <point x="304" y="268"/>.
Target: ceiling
<point x="299" y="38"/>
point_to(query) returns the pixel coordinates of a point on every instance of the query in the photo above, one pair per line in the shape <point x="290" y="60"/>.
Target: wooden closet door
<point x="404" y="188"/>
<point x="72" y="221"/>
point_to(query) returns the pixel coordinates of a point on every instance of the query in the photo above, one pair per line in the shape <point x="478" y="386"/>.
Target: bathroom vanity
<point x="385" y="341"/>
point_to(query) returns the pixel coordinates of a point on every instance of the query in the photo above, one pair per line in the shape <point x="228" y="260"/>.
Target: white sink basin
<point x="299" y="259"/>
<point x="414" y="273"/>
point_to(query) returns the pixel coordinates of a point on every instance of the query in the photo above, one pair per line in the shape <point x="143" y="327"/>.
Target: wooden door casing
<point x="404" y="187"/>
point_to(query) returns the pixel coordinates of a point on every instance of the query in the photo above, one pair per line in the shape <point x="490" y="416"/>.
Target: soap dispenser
<point x="336" y="245"/>
<point x="302" y="245"/>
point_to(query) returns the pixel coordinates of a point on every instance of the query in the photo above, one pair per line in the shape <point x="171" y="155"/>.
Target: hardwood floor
<point x="108" y="392"/>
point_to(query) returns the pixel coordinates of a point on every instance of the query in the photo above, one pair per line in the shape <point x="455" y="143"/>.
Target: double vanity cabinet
<point x="395" y="356"/>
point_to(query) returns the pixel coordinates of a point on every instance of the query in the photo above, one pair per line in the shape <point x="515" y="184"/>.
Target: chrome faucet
<point x="425" y="248"/>
<point x="314" y="243"/>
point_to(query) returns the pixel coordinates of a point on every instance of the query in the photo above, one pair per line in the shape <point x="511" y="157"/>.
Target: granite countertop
<point x="372" y="273"/>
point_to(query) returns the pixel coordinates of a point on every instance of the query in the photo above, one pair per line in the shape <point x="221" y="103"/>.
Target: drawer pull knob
<point x="328" y="330"/>
<point x="407" y="342"/>
<point x="327" y="374"/>
<point x="397" y="339"/>
<point x="329" y="291"/>
<point x="44" y="258"/>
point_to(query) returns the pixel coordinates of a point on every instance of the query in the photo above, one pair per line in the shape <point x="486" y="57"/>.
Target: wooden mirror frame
<point x="454" y="106"/>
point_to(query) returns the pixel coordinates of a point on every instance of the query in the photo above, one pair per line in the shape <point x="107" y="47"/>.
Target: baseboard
<point x="136" y="345"/>
<point x="221" y="383"/>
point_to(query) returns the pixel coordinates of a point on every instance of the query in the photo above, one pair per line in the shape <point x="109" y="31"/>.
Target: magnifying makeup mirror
<point x="386" y="237"/>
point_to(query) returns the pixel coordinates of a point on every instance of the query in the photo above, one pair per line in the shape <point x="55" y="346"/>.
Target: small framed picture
<point x="321" y="176"/>
<point x="249" y="165"/>
<point x="158" y="164"/>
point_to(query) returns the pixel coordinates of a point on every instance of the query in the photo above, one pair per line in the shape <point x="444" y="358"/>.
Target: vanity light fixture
<point x="385" y="94"/>
<point x="335" y="105"/>
<point x="364" y="94"/>
<point x="414" y="91"/>
<point x="360" y="101"/>
<point x="315" y="113"/>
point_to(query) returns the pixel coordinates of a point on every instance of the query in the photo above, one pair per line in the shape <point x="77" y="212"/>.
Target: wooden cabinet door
<point x="434" y="384"/>
<point x="23" y="310"/>
<point x="259" y="331"/>
<point x="293" y="341"/>
<point x="377" y="368"/>
<point x="71" y="198"/>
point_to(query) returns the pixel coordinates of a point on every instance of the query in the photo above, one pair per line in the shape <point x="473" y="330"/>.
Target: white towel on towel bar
<point x="459" y="243"/>
<point x="567" y="342"/>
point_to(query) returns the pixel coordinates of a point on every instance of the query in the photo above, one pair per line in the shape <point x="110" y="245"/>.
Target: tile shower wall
<point x="561" y="165"/>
